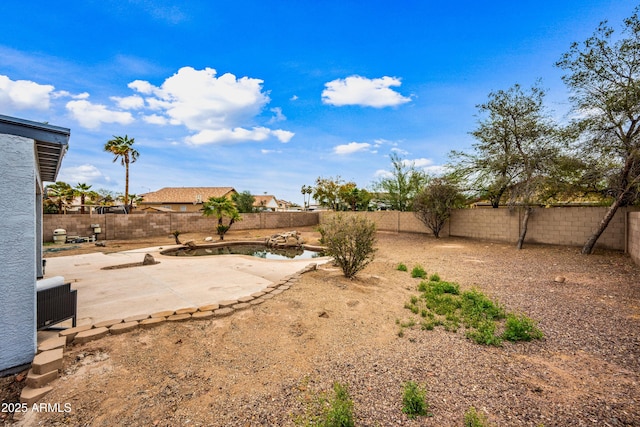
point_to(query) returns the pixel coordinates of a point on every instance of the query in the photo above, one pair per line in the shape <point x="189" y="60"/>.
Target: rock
<point x="208" y="239"/>
<point x="148" y="260"/>
<point x="191" y="244"/>
<point x="324" y="315"/>
<point x="559" y="279"/>
<point x="101" y="244"/>
<point x="290" y="239"/>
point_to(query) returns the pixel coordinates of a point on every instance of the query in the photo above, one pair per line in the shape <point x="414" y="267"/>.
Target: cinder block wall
<point x="557" y="226"/>
<point x="136" y="226"/>
<point x="633" y="236"/>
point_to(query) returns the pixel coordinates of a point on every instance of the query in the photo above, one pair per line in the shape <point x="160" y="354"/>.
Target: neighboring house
<point x="182" y="199"/>
<point x="285" y="206"/>
<point x="265" y="203"/>
<point x="31" y="155"/>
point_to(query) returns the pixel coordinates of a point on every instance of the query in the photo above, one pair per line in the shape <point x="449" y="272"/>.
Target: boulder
<point x="148" y="260"/>
<point x="289" y="239"/>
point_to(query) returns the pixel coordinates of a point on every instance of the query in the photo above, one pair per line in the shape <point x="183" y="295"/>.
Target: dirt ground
<point x="269" y="365"/>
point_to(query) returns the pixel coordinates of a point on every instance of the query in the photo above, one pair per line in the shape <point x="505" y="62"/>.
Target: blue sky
<point x="266" y="96"/>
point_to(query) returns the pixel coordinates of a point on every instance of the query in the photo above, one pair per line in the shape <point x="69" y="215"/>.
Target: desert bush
<point x="418" y="272"/>
<point x="350" y="241"/>
<point x="473" y="418"/>
<point x="434" y="203"/>
<point x="521" y="328"/>
<point x="401" y="267"/>
<point x="340" y="412"/>
<point x="414" y="401"/>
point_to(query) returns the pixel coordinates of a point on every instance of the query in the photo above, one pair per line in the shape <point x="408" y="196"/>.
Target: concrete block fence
<point x="633" y="236"/>
<point x="556" y="226"/>
<point x="141" y="225"/>
<point x="570" y="226"/>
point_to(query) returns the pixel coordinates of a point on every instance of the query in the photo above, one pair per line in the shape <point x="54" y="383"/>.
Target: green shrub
<point x="340" y="412"/>
<point x="476" y="308"/>
<point x="418" y="272"/>
<point x="414" y="400"/>
<point x="521" y="328"/>
<point x="401" y="267"/>
<point x="435" y="277"/>
<point x="485" y="333"/>
<point x="473" y="418"/>
<point x="438" y="287"/>
<point x="350" y="241"/>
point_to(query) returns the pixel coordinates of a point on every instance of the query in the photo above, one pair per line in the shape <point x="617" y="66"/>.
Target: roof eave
<point x="51" y="142"/>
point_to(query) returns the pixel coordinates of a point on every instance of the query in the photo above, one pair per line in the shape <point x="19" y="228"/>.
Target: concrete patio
<point x="173" y="283"/>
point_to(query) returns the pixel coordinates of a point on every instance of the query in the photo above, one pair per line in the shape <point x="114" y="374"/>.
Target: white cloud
<point x="24" y="94"/>
<point x="419" y="163"/>
<point x="134" y="102"/>
<point x="215" y="136"/>
<point x="283" y="135"/>
<point x="357" y="90"/>
<point x="293" y="98"/>
<point x="263" y="151"/>
<point x="86" y="173"/>
<point x="381" y="173"/>
<point x="91" y="116"/>
<point x="155" y="119"/>
<point x="350" y="148"/>
<point x="277" y="115"/>
<point x="400" y="151"/>
<point x="426" y="165"/>
<point x="217" y="109"/>
<point x="142" y="87"/>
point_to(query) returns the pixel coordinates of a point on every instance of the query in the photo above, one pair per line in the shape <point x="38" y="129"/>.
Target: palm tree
<point x="82" y="190"/>
<point x="61" y="194"/>
<point x="122" y="148"/>
<point x="221" y="207"/>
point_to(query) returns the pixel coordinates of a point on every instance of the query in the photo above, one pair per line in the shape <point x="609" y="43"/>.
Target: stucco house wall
<point x="17" y="251"/>
<point x="31" y="154"/>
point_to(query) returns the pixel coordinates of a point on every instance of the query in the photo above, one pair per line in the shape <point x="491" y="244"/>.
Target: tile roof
<point x="264" y="200"/>
<point x="185" y="194"/>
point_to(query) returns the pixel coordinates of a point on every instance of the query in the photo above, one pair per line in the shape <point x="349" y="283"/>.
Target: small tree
<point x="350" y="240"/>
<point x="405" y="181"/>
<point x="326" y="192"/>
<point x="244" y="202"/>
<point x="434" y="203"/>
<point x="603" y="74"/>
<point x="221" y="207"/>
<point x="60" y="194"/>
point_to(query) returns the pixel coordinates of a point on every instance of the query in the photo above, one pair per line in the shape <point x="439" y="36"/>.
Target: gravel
<point x="270" y="364"/>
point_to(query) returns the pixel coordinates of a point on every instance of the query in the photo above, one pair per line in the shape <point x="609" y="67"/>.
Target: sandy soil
<point x="269" y="364"/>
